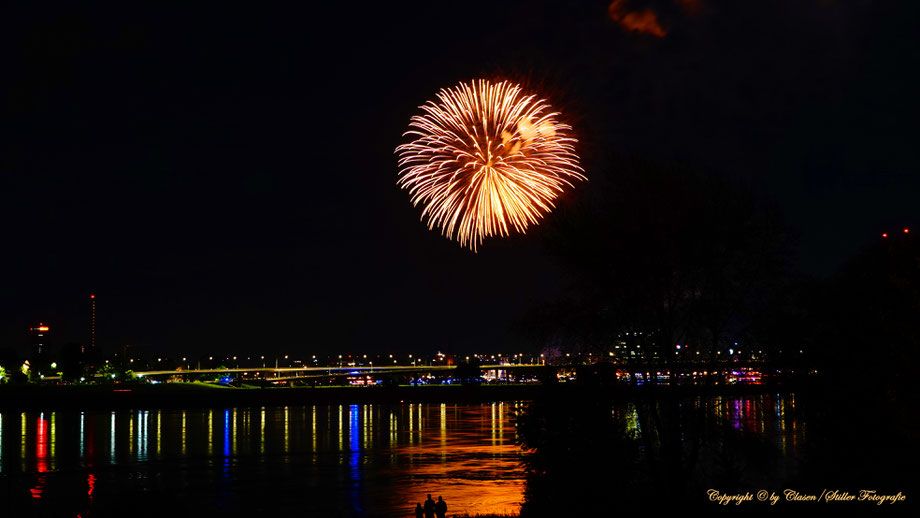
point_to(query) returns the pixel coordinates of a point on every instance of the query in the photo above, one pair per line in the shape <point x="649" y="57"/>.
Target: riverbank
<point x="189" y="395"/>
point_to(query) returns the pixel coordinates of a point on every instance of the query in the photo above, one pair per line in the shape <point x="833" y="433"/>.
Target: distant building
<point x="39" y="338"/>
<point x="92" y="324"/>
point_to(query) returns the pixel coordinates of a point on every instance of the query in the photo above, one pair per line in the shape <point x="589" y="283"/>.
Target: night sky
<point x="223" y="178"/>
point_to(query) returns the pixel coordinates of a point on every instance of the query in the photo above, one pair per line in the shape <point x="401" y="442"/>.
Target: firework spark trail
<point x="486" y="159"/>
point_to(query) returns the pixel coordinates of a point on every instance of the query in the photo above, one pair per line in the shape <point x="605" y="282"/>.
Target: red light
<point x="885" y="235"/>
<point x="92" y="296"/>
<point x="906" y="230"/>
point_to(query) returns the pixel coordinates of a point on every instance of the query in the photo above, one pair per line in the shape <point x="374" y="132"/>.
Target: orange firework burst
<point x="486" y="158"/>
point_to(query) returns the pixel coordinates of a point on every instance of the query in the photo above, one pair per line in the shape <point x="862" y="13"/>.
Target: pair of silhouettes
<point x="431" y="508"/>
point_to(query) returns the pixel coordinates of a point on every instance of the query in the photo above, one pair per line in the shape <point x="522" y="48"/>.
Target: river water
<point x="348" y="460"/>
<point x="325" y="460"/>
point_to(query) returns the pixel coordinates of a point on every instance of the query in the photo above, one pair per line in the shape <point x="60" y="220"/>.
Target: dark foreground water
<point x="329" y="460"/>
<point x="353" y="460"/>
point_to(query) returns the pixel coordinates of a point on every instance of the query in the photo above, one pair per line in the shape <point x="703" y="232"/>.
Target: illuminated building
<point x="39" y="337"/>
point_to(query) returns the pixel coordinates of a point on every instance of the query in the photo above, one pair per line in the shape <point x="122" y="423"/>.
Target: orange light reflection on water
<point x="475" y="472"/>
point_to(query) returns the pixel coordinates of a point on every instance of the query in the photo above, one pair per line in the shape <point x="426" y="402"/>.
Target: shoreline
<point x="188" y="395"/>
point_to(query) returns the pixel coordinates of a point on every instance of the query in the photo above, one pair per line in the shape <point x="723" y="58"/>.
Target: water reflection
<point x="88" y="439"/>
<point x="91" y="486"/>
<point x="771" y="416"/>
<point x="366" y="458"/>
<point x="354" y="447"/>
<point x="112" y="441"/>
<point x="210" y="434"/>
<point x="159" y="432"/>
<point x="183" y="435"/>
<point x="226" y="442"/>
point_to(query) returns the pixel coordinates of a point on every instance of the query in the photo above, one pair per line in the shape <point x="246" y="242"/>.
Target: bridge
<point x="278" y="373"/>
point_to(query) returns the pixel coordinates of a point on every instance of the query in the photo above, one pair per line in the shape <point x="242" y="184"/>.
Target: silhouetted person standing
<point x="440" y="508"/>
<point x="429" y="507"/>
<point x="419" y="511"/>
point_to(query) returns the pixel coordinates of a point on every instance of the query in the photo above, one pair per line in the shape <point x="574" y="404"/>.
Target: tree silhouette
<point x="865" y="351"/>
<point x="664" y="255"/>
<point x="673" y="253"/>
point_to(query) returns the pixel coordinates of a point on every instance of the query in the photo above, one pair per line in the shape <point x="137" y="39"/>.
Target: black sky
<point x="223" y="177"/>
